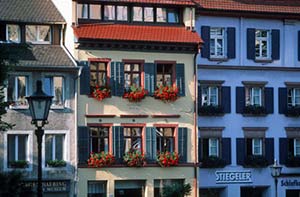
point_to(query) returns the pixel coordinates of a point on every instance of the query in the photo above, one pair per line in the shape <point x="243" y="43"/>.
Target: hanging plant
<point x="101" y="93"/>
<point x="166" y="93"/>
<point x="134" y="158"/>
<point x="167" y="159"/>
<point x="102" y="159"/>
<point x="135" y="94"/>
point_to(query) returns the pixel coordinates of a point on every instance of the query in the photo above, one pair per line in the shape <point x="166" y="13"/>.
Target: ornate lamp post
<point x="275" y="172"/>
<point x="39" y="106"/>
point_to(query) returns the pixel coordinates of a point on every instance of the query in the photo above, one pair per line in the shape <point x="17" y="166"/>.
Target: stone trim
<point x="209" y="132"/>
<point x="211" y="82"/>
<point x="292" y="84"/>
<point x="292" y="132"/>
<point x="255" y="132"/>
<point x="254" y="83"/>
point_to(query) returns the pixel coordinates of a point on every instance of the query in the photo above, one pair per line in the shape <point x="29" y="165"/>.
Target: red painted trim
<point x="164" y="62"/>
<point x="133" y="116"/>
<point x="165" y="116"/>
<point x="100" y="124"/>
<point x="132" y="61"/>
<point x="176" y="138"/>
<point x="165" y="125"/>
<point x="99" y="59"/>
<point x="100" y="115"/>
<point x="110" y="140"/>
<point x="133" y="124"/>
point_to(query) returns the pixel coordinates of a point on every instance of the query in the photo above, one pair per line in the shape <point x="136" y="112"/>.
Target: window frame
<point x="250" y="90"/>
<point x="167" y="15"/>
<point x="143" y="14"/>
<point x="53" y="147"/>
<point x="97" y="71"/>
<point x="95" y="182"/>
<point x="210" y="147"/>
<point x="173" y="73"/>
<point x="260" y="39"/>
<point x="115" y="13"/>
<point x="52" y="89"/>
<point x="260" y="146"/>
<point x="132" y="137"/>
<point x="173" y="137"/>
<point x="37" y="41"/>
<point x="132" y="72"/>
<point x="215" y="39"/>
<point x="108" y="137"/>
<point x="15" y="89"/>
<point x="7" y="34"/>
<point x="296" y="140"/>
<point x="209" y="87"/>
<point x="293" y="96"/>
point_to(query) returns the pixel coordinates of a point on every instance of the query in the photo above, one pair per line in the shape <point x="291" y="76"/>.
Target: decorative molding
<point x="255" y="132"/>
<point x="95" y="59"/>
<point x="100" y="124"/>
<point x="134" y="116"/>
<point x="292" y="84"/>
<point x="256" y="129"/>
<point x="100" y="115"/>
<point x="211" y="82"/>
<point x="254" y="83"/>
<point x="165" y="116"/>
<point x="204" y="129"/>
<point x="292" y="132"/>
<point x="133" y="124"/>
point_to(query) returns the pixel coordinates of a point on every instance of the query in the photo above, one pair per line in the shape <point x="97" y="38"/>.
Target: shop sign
<point x="243" y="176"/>
<point x="49" y="186"/>
<point x="290" y="183"/>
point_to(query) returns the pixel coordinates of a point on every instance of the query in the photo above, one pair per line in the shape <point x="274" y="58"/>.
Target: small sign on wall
<point x="244" y="176"/>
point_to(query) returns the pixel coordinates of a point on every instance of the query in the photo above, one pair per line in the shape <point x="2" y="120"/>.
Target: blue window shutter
<point x="113" y="74"/>
<point x="205" y="35"/>
<point x="282" y="100"/>
<point x="269" y="100"/>
<point x="180" y="83"/>
<point x="119" y="79"/>
<point x="231" y="42"/>
<point x="226" y="150"/>
<point x="83" y="144"/>
<point x="283" y="150"/>
<point x="118" y="143"/>
<point x="85" y="78"/>
<point x="269" y="151"/>
<point x="298" y="46"/>
<point x="149" y="69"/>
<point x="48" y="86"/>
<point x="240" y="100"/>
<point x="199" y="149"/>
<point x="182" y="144"/>
<point x="226" y="99"/>
<point x="275" y="44"/>
<point x="151" y="144"/>
<point x="251" y="44"/>
<point x="240" y="151"/>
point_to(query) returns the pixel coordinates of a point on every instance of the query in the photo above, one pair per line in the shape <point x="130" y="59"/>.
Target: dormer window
<point x="143" y="14"/>
<point x="119" y="13"/>
<point x="40" y="34"/>
<point x="82" y="10"/>
<point x="165" y="15"/>
<point x="13" y="33"/>
<point x="95" y="11"/>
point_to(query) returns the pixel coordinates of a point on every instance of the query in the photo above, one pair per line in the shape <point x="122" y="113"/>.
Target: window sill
<point x="57" y="107"/>
<point x="19" y="107"/>
<point x="263" y="60"/>
<point x="145" y="166"/>
<point x="218" y="59"/>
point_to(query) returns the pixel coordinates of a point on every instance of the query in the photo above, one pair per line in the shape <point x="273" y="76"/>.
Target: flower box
<point x="213" y="162"/>
<point x="101" y="93"/>
<point x="166" y="93"/>
<point x="135" y="94"/>
<point x="134" y="158"/>
<point x="167" y="159"/>
<point x="293" y="161"/>
<point x="210" y="110"/>
<point x="254" y="110"/>
<point x="255" y="161"/>
<point x="56" y="163"/>
<point x="102" y="159"/>
<point x="293" y="111"/>
<point x="19" y="164"/>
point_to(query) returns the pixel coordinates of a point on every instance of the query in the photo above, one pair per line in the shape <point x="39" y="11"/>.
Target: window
<point x="164" y="15"/>
<point x="164" y="75"/>
<point x="143" y="14"/>
<point x="82" y="10"/>
<point x="253" y="96"/>
<point x="217" y="42"/>
<point x="54" y="147"/>
<point x="293" y="97"/>
<point x="209" y="95"/>
<point x="262" y="44"/>
<point x="119" y="13"/>
<point x="54" y="86"/>
<point x="130" y="188"/>
<point x="13" y="33"/>
<point x="296" y="147"/>
<point x="95" y="11"/>
<point x="17" y="148"/>
<point x="17" y="90"/>
<point x="161" y="183"/>
<point x="99" y="139"/>
<point x="165" y="140"/>
<point x="213" y="147"/>
<point x="132" y="75"/>
<point x="132" y="138"/>
<point x="38" y="33"/>
<point x="98" y="72"/>
<point x="254" y="146"/>
<point x="96" y="188"/>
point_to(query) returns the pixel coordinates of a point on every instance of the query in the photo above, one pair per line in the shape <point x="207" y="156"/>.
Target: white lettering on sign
<point x="233" y="176"/>
<point x="290" y="183"/>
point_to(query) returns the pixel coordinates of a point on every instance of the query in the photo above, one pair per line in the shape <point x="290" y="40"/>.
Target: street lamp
<point x="39" y="106"/>
<point x="275" y="172"/>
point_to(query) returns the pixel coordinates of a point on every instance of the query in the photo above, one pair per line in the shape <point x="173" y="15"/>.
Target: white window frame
<point x="84" y="11"/>
<point x="260" y="40"/>
<point x="37" y="41"/>
<point x="251" y="96"/>
<point x="26" y="106"/>
<point x="208" y="102"/>
<point x="259" y="146"/>
<point x="29" y="146"/>
<point x="210" y="146"/>
<point x="293" y="96"/>
<point x="296" y="145"/>
<point x="19" y="34"/>
<point x="66" y="153"/>
<point x="215" y="39"/>
<point x="53" y="106"/>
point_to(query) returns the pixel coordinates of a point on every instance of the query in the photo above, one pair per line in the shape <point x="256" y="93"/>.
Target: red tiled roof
<point x="266" y="6"/>
<point x="166" y="2"/>
<point x="136" y="33"/>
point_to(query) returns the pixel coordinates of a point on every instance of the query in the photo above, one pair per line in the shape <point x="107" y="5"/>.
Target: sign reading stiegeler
<point x="243" y="176"/>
